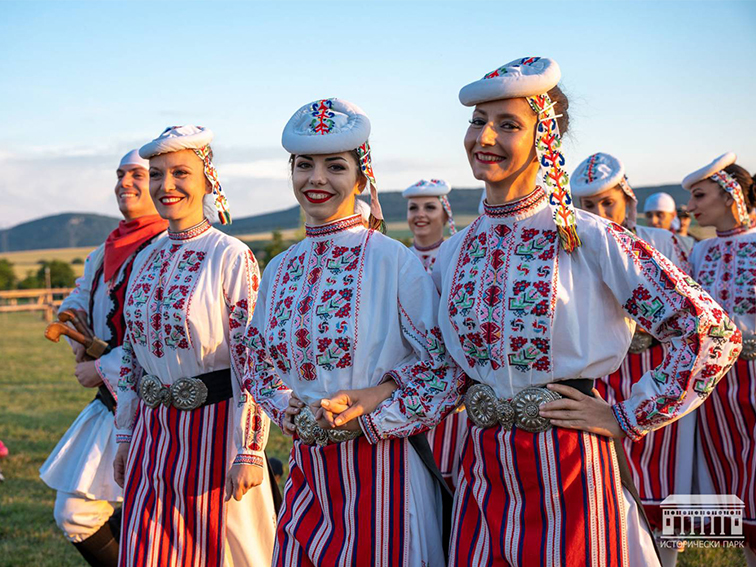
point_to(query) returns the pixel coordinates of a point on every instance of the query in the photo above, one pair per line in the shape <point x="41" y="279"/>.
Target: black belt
<point x="187" y="393"/>
<point x="106" y="398"/>
<point x="584" y="385"/>
<point x="218" y="386"/>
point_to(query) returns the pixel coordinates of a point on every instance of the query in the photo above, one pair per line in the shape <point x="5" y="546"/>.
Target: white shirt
<point x="725" y="266"/>
<point x="517" y="311"/>
<point x="187" y="309"/>
<point x="343" y="309"/>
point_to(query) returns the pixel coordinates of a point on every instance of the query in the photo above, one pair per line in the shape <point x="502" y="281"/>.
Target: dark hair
<point x="360" y="175"/>
<point x="746" y="183"/>
<point x="562" y="107"/>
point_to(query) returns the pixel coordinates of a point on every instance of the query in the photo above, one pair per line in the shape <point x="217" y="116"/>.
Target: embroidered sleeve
<point x="430" y="384"/>
<point x="262" y="379"/>
<point x="702" y="341"/>
<point x="240" y="287"/>
<point x="108" y="366"/>
<point x="129" y="374"/>
<point x="79" y="297"/>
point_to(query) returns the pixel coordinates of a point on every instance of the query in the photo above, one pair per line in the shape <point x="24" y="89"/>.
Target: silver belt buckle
<point x="188" y="393"/>
<point x="486" y="410"/>
<point x="310" y="433"/>
<point x="641" y="341"/>
<point x="749" y="347"/>
<point x="152" y="391"/>
<point x="184" y="394"/>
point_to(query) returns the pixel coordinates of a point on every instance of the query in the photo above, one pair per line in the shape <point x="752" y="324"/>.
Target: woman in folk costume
<point x="428" y="212"/>
<point x="197" y="490"/>
<point x="721" y="194"/>
<point x="538" y="301"/>
<point x="345" y="309"/>
<point x="79" y="467"/>
<point x="661" y="462"/>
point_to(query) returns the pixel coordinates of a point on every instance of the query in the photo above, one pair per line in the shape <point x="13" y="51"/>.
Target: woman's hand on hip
<point x="577" y="411"/>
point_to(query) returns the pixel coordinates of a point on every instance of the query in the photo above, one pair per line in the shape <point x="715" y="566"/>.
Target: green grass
<point x="39" y="398"/>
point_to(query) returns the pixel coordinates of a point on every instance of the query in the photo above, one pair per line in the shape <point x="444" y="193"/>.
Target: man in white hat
<point x="80" y="466"/>
<point x="661" y="212"/>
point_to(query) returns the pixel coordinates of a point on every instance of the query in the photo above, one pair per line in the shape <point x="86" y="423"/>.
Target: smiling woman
<point x="343" y="312"/>
<point x="537" y="301"/>
<point x="191" y="438"/>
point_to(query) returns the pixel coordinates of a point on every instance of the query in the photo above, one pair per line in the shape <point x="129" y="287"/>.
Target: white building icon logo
<point x="702" y="516"/>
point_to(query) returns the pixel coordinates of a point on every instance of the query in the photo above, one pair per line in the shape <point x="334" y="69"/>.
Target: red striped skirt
<point x="345" y="504"/>
<point x="551" y="498"/>
<point x="727" y="439"/>
<point x="173" y="503"/>
<point x="654" y="459"/>
<point x="446" y="440"/>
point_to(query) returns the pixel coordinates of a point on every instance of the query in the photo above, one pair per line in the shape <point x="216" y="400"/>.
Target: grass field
<point x="39" y="398"/>
<point x="27" y="260"/>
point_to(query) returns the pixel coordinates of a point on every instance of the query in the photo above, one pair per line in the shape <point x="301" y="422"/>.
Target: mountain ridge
<point x="72" y="230"/>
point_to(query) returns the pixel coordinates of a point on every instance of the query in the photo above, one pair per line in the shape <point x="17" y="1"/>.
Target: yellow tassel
<point x="569" y="238"/>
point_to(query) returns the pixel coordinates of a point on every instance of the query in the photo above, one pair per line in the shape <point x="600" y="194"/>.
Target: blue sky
<point x="665" y="86"/>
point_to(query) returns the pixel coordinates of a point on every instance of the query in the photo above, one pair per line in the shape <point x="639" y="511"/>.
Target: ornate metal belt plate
<point x="184" y="394"/>
<point x="486" y="410"/>
<point x="749" y="347"/>
<point x="310" y="433"/>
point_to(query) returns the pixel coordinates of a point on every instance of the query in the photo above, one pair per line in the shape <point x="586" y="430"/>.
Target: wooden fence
<point x="45" y="300"/>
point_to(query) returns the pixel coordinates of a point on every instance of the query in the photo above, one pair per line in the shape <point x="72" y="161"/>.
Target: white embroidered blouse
<point x="518" y="311"/>
<point x="427" y="255"/>
<point x="187" y="309"/>
<point x="343" y="309"/>
<point x="726" y="267"/>
<point x="666" y="243"/>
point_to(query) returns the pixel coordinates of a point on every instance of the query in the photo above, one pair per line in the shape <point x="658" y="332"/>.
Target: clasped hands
<point x="341" y="410"/>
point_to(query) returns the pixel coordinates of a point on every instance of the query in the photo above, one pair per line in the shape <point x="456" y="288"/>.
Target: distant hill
<point x="68" y="230"/>
<point x="72" y="230"/>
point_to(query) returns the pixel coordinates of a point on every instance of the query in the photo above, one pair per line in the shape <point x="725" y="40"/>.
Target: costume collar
<point x="427" y="248"/>
<point x="333" y="227"/>
<point x="733" y="231"/>
<point x="191" y="232"/>
<point x="519" y="209"/>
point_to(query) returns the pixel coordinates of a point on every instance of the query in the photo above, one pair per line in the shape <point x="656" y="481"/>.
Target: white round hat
<point x="176" y="138"/>
<point x="133" y="159"/>
<point x="596" y="174"/>
<point x="524" y="77"/>
<point x="327" y="126"/>
<point x="708" y="170"/>
<point x="427" y="188"/>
